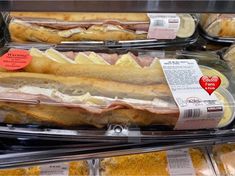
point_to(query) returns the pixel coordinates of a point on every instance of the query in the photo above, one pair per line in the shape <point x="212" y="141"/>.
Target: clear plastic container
<point x="222" y="156"/>
<point x="218" y="27"/>
<point x="93" y="88"/>
<point x="117" y="29"/>
<point x="74" y="168"/>
<point x="156" y="163"/>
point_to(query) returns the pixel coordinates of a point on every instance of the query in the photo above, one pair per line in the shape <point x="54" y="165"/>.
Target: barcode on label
<point x="159" y="23"/>
<point x="180" y="163"/>
<point x="192" y="113"/>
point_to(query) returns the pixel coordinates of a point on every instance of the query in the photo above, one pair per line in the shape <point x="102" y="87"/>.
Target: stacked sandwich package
<point x="218" y="27"/>
<point x="130" y="29"/>
<point x="97" y="88"/>
<point x="49" y="81"/>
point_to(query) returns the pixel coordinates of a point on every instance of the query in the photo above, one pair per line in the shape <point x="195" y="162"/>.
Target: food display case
<point x="116" y="87"/>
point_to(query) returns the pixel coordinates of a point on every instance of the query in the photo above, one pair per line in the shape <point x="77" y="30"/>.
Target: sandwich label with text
<point x="15" y="59"/>
<point x="180" y="163"/>
<point x="56" y="169"/>
<point x="198" y="109"/>
<point x="163" y="25"/>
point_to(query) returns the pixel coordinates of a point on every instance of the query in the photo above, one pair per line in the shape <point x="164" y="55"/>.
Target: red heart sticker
<point x="210" y="84"/>
<point x="15" y="59"/>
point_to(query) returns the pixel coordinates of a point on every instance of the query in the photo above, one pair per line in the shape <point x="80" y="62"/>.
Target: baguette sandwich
<point x="122" y="68"/>
<point x="83" y="101"/>
<point x="219" y="25"/>
<point x="57" y="27"/>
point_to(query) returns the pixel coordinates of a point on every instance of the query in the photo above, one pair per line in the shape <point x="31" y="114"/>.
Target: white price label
<point x="197" y="108"/>
<point x="163" y="25"/>
<point x="57" y="169"/>
<point x="180" y="163"/>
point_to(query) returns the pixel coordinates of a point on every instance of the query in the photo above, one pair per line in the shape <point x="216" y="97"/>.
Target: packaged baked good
<point x="191" y="161"/>
<point x="218" y="27"/>
<point x="223" y="158"/>
<point x="93" y="88"/>
<point x="74" y="168"/>
<point x="55" y="27"/>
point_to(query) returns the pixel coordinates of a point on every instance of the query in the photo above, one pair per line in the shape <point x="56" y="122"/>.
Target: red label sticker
<point x="210" y="84"/>
<point x="15" y="59"/>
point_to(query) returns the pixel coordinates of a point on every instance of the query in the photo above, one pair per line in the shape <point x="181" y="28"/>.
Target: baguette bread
<point x="24" y="32"/>
<point x="69" y="117"/>
<point x="80" y="85"/>
<point x="74" y="17"/>
<point x="52" y="27"/>
<point x="75" y="116"/>
<point x="220" y="27"/>
<point x="144" y="76"/>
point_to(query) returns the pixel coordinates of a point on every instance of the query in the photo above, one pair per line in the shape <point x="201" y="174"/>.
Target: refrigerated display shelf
<point x="24" y="159"/>
<point x="173" y="6"/>
<point x="114" y="133"/>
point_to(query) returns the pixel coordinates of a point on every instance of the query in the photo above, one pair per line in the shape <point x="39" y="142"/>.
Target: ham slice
<point x="154" y="107"/>
<point x="86" y="25"/>
<point x="110" y="58"/>
<point x="143" y="61"/>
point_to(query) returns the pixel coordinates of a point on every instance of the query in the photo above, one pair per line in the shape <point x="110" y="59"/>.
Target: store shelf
<point x="115" y="133"/>
<point x="192" y="6"/>
<point x="24" y="159"/>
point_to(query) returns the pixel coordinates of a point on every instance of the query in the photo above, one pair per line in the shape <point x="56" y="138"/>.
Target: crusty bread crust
<point x="21" y="31"/>
<point x="74" y="16"/>
<point x="67" y="117"/>
<point x="144" y="76"/>
<point x="94" y="86"/>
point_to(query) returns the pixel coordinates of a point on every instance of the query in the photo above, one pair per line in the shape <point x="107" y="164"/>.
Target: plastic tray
<point x="119" y="132"/>
<point x="52" y="19"/>
<point x="209" y="24"/>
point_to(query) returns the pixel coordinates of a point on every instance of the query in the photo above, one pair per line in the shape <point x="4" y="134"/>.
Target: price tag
<point x="197" y="108"/>
<point x="163" y="25"/>
<point x="15" y="59"/>
<point x="57" y="169"/>
<point x="180" y="163"/>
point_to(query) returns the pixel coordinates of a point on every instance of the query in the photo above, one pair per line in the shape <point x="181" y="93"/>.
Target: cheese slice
<point x="82" y="58"/>
<point x="36" y="52"/>
<point x="58" y="57"/>
<point x="155" y="64"/>
<point x="97" y="59"/>
<point x="128" y="61"/>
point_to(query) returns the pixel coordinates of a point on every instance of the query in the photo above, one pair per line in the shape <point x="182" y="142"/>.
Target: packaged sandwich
<point x="74" y="168"/>
<point x="55" y="27"/>
<point x="98" y="89"/>
<point x="191" y="161"/>
<point x="218" y="27"/>
<point x="223" y="158"/>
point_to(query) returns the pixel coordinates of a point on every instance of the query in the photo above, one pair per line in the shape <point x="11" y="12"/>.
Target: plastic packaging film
<point x="57" y="27"/>
<point x="159" y="163"/>
<point x="138" y="97"/>
<point x="218" y="26"/>
<point x="223" y="158"/>
<point x="74" y="168"/>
